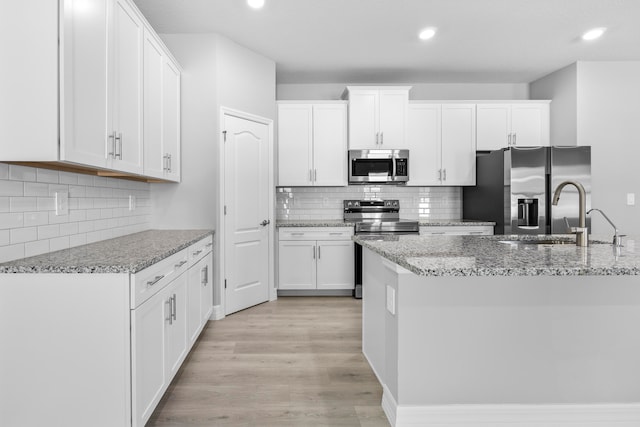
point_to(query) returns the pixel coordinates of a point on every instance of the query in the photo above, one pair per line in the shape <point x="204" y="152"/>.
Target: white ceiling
<point x="375" y="41"/>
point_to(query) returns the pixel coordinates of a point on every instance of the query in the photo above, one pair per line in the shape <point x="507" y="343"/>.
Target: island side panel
<point x="527" y="340"/>
<point x="373" y="313"/>
<point x="66" y="349"/>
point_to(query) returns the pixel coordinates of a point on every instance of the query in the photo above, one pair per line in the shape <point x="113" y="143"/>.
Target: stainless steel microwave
<point x="378" y="166"/>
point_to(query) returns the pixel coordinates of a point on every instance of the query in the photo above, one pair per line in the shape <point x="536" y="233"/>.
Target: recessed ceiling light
<point x="427" y="33"/>
<point x="593" y="34"/>
<point x="256" y="4"/>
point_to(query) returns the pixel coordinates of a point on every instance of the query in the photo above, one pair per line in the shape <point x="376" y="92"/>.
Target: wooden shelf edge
<point x="73" y="168"/>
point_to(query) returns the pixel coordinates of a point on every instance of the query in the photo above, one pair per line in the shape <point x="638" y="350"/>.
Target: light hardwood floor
<point x="296" y="361"/>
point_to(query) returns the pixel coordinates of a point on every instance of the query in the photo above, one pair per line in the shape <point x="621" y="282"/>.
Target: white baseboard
<point x="511" y="415"/>
<point x="218" y="313"/>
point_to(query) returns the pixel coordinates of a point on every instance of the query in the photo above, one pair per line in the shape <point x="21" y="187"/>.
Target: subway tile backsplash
<point x="98" y="210"/>
<point x="326" y="202"/>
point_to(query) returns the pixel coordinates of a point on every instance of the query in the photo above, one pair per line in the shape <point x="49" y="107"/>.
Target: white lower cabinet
<point x="165" y="326"/>
<point x="315" y="258"/>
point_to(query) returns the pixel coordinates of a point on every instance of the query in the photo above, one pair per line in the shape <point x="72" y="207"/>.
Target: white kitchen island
<point x="471" y="331"/>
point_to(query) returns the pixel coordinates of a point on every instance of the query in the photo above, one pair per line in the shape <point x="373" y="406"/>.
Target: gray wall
<point x="561" y="87"/>
<point x="216" y="72"/>
<point x="608" y="119"/>
<point x="598" y="104"/>
<point x="422" y="91"/>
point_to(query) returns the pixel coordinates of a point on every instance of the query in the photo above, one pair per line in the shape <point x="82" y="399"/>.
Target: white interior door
<point x="246" y="199"/>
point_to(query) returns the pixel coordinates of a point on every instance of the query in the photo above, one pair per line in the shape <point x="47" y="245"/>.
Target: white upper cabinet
<point x="312" y="144"/>
<point x="524" y="124"/>
<point x="442" y="144"/>
<point x="377" y="117"/>
<point x="458" y="144"/>
<point x="91" y="88"/>
<point x="126" y="83"/>
<point x="161" y="111"/>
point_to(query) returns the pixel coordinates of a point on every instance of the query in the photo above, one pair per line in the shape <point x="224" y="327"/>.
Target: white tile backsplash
<point x="326" y="202"/>
<point x="98" y="210"/>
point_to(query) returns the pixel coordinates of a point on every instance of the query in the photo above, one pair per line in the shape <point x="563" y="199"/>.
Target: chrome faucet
<point x="581" y="231"/>
<point x="617" y="238"/>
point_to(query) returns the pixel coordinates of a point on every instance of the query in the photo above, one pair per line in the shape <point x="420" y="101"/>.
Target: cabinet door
<point x="176" y="348"/>
<point x="423" y="141"/>
<point x="393" y="118"/>
<point x="335" y="264"/>
<point x="530" y="124"/>
<point x="171" y="119"/>
<point x="295" y="133"/>
<point x="458" y="144"/>
<point x="330" y="144"/>
<point x="297" y="264"/>
<point x="127" y="88"/>
<point x="206" y="288"/>
<point x="493" y="126"/>
<point x="363" y="119"/>
<point x="194" y="315"/>
<point x="153" y="65"/>
<point x="85" y="119"/>
<point x="149" y="376"/>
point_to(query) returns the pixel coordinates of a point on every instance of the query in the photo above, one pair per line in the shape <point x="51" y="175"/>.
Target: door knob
<point x="265" y="222"/>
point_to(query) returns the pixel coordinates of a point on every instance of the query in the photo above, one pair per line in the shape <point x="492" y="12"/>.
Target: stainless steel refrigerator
<point x="514" y="188"/>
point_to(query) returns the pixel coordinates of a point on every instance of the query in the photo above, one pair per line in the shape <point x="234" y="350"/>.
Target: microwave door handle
<point x="393" y="172"/>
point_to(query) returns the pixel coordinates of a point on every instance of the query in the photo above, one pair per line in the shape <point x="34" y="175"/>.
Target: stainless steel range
<point x="372" y="217"/>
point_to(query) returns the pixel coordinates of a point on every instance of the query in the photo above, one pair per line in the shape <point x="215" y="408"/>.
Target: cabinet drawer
<point x="456" y="230"/>
<point x="198" y="250"/>
<point x="151" y="280"/>
<point x="315" y="233"/>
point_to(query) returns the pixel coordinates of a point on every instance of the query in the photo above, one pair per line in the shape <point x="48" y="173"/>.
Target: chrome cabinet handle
<point x="170" y="318"/>
<point x="439" y="174"/>
<point x="297" y="234"/>
<point x="180" y="264"/>
<point x="377" y="138"/>
<point x="164" y="163"/>
<point x="197" y="252"/>
<point x="381" y="138"/>
<point x="119" y="141"/>
<point x="155" y="280"/>
<point x="265" y="222"/>
<point x="475" y="232"/>
<point x="514" y="138"/>
<point x="208" y="245"/>
<point x="310" y="175"/>
<point x="319" y="251"/>
<point x="315" y="175"/>
<point x="444" y="174"/>
<point x="175" y="307"/>
<point x="170" y="162"/>
<point x="204" y="275"/>
<point x="314" y="252"/>
<point x="335" y="234"/>
<point x="112" y="137"/>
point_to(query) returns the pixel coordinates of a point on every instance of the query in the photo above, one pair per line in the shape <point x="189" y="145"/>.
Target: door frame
<point x="220" y="223"/>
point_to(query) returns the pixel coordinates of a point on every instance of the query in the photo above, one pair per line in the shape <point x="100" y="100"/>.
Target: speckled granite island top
<point x="342" y="223"/>
<point x="503" y="255"/>
<point x="126" y="254"/>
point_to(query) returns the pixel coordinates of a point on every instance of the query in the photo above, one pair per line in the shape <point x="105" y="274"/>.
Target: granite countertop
<point x="342" y="223"/>
<point x="126" y="254"/>
<point x="313" y="223"/>
<point x="488" y="256"/>
<point x="455" y="222"/>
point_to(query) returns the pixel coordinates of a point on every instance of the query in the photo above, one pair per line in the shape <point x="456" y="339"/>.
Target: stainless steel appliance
<point x="378" y="166"/>
<point x="514" y="187"/>
<point x="375" y="217"/>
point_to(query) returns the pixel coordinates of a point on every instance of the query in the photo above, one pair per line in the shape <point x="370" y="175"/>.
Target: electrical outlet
<point x="391" y="300"/>
<point x="62" y="203"/>
<point x="631" y="199"/>
<point x="132" y="202"/>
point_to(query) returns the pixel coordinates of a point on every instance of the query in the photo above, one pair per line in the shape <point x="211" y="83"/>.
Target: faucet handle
<point x="617" y="239"/>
